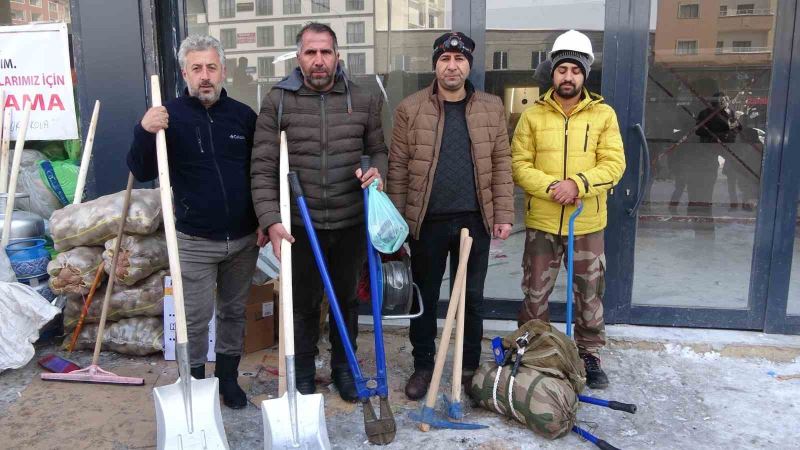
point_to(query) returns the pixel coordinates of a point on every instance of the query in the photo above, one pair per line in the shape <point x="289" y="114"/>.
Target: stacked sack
<point x="544" y="393"/>
<point x="85" y="235"/>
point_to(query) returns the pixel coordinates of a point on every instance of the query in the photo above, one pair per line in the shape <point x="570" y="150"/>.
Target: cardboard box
<point x="259" y="327"/>
<point x="169" y="326"/>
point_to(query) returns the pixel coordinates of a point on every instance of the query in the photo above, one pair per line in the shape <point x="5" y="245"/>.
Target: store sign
<point x="245" y="7"/>
<point x="245" y="38"/>
<point x="34" y="70"/>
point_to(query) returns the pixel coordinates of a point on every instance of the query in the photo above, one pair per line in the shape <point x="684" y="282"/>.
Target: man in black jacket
<point x="330" y="123"/>
<point x="209" y="140"/>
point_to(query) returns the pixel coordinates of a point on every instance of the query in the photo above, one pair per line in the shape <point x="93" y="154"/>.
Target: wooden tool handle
<point x="441" y="354"/>
<point x="12" y="183"/>
<point x="6" y="143"/>
<point x="458" y="352"/>
<point x="86" y="156"/>
<point x="86" y="305"/>
<point x="126" y="204"/>
<point x="286" y="296"/>
<point x="167" y="212"/>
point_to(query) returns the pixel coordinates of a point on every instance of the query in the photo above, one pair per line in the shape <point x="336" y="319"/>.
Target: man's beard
<point x="318" y="82"/>
<point x="454" y="85"/>
<point x="206" y="97"/>
<point x="563" y="93"/>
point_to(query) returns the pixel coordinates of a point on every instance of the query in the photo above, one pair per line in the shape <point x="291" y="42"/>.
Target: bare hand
<point x="277" y="232"/>
<point x="366" y="179"/>
<point x="155" y="119"/>
<point x="502" y="230"/>
<point x="261" y="238"/>
<point x="564" y="192"/>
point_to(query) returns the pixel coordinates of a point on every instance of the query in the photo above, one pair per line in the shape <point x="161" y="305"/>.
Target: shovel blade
<point x="312" y="430"/>
<point x="208" y="431"/>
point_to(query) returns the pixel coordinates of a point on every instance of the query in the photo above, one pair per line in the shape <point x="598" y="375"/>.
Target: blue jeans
<point x="437" y="240"/>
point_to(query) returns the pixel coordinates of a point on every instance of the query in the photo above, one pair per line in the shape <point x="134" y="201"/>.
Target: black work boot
<point x="595" y="377"/>
<point x="227" y="370"/>
<point x="199" y="372"/>
<point x="304" y="373"/>
<point x="345" y="384"/>
<point x="417" y="385"/>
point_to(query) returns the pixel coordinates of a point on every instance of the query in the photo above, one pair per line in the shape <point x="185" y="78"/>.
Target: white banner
<point x="34" y="69"/>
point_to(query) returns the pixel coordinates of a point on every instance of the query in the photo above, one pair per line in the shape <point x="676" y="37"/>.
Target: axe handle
<point x="441" y="354"/>
<point x="6" y="143"/>
<point x="12" y="182"/>
<point x="286" y="309"/>
<point x="458" y="351"/>
<point x="86" y="155"/>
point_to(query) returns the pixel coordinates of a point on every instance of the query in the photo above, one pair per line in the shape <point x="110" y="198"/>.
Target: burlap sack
<point x="546" y="405"/>
<point x="139" y="256"/>
<point x="146" y="298"/>
<point x="73" y="271"/>
<point x="96" y="221"/>
<point x="137" y="336"/>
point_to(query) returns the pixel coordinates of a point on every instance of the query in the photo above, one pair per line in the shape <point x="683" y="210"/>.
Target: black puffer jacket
<point x="326" y="133"/>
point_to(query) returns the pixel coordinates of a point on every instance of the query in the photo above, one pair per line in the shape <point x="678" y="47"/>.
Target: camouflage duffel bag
<point x="545" y="404"/>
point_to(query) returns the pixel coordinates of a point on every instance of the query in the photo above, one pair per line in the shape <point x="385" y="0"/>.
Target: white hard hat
<point x="575" y="41"/>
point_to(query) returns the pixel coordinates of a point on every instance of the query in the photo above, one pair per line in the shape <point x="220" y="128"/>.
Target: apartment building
<point x="27" y="11"/>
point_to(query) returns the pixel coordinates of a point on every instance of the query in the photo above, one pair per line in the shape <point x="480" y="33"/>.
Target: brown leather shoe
<point x="417" y="385"/>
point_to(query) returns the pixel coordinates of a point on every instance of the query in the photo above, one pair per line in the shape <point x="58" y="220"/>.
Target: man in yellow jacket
<point x="567" y="148"/>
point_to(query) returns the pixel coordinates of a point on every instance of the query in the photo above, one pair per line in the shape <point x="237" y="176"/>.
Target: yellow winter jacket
<point x="584" y="146"/>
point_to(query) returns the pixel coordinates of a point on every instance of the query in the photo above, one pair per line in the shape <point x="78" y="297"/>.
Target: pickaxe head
<point x="428" y="416"/>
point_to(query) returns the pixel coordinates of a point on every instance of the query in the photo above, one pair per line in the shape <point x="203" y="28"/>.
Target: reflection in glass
<point x="705" y="107"/>
<point x="793" y="305"/>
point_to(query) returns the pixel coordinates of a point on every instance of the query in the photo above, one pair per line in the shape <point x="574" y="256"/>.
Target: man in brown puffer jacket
<point x="450" y="168"/>
<point x="329" y="123"/>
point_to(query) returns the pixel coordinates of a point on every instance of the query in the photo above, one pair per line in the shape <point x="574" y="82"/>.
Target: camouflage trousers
<point x="540" y="264"/>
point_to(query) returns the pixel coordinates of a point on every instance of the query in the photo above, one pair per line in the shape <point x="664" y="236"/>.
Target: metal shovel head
<point x="173" y="429"/>
<point x="312" y="430"/>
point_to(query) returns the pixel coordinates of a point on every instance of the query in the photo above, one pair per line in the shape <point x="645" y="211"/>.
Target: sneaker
<point x="595" y="377"/>
<point x="417" y="385"/>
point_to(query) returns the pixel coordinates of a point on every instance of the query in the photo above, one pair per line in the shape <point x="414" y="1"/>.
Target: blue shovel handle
<point x="571" y="264"/>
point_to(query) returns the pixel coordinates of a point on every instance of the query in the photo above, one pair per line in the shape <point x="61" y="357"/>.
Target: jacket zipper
<point x="586" y="138"/>
<point x="324" y="157"/>
<point x="199" y="139"/>
<point x="219" y="172"/>
<point x="564" y="177"/>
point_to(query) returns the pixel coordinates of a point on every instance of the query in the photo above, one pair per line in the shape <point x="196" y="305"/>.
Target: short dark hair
<point x="316" y="27"/>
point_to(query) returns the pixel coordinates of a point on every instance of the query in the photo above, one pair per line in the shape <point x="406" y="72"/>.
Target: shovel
<point x="187" y="412"/>
<point x="292" y="420"/>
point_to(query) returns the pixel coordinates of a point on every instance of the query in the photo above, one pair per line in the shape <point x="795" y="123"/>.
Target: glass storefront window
<point x="705" y="120"/>
<point x="793" y="303"/>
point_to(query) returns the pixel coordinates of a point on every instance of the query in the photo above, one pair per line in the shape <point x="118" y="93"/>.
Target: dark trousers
<point x="344" y="251"/>
<point x="428" y="259"/>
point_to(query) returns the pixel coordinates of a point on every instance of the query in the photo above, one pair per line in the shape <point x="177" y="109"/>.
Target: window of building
<point x="745" y="9"/>
<point x="227" y="9"/>
<point x="263" y="7"/>
<point x="354" y="5"/>
<point x="18" y="1"/>
<point x="686" y="48"/>
<point x="355" y="32"/>
<point x="421" y="18"/>
<point x="320" y="6"/>
<point x="291" y="6"/>
<point x="723" y="10"/>
<point x="402" y="62"/>
<point x="227" y="37"/>
<point x="357" y="63"/>
<point x="720" y="44"/>
<point x="36" y="3"/>
<point x="500" y="60"/>
<point x="265" y="36"/>
<point x="290" y="34"/>
<point x="18" y="16"/>
<point x="36" y="17"/>
<point x="431" y="21"/>
<point x="537" y="58"/>
<point x="741" y="45"/>
<point x="53" y="8"/>
<point x="689" y="11"/>
<point x="266" y="68"/>
<point x="289" y="65"/>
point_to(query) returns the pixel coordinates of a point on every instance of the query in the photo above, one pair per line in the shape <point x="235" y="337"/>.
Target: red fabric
<point x="363" y="293"/>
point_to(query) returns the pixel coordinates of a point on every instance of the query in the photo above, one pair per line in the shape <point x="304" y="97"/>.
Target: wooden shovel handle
<point x="458" y="351"/>
<point x="167" y="212"/>
<point x="88" y="303"/>
<point x="12" y="182"/>
<point x="4" y="146"/>
<point x="441" y="354"/>
<point x="86" y="156"/>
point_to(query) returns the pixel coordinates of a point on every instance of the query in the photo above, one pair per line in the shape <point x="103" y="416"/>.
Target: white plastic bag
<point x="7" y="274"/>
<point x="22" y="313"/>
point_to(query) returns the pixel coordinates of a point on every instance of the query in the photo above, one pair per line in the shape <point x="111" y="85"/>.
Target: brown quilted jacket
<point x="414" y="152"/>
<point x="326" y="134"/>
